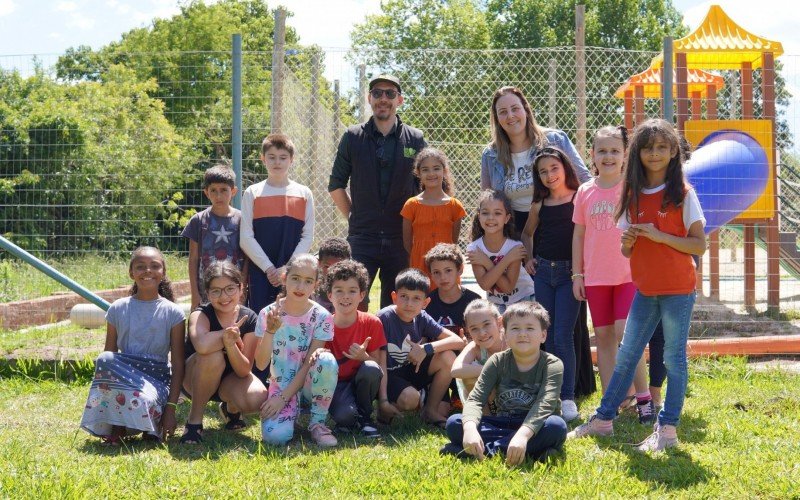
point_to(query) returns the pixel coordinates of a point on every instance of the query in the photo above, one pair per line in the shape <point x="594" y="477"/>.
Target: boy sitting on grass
<point x="445" y="263"/>
<point x="331" y="251"/>
<point x="420" y="353"/>
<point x="527" y="385"/>
<point x="357" y="345"/>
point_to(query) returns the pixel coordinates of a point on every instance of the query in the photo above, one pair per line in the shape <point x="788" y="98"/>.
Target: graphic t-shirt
<point x="524" y="288"/>
<point x="518" y="184"/>
<point x="366" y="325"/>
<point x="400" y="334"/>
<point x="450" y="316"/>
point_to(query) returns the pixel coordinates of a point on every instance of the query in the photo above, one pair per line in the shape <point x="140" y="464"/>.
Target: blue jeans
<point x="497" y="432"/>
<point x="386" y="254"/>
<point x="675" y="314"/>
<point x="553" y="286"/>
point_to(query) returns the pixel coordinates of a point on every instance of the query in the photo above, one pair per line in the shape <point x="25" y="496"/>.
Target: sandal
<point x="111" y="441"/>
<point x="147" y="437"/>
<point x="192" y="434"/>
<point x="233" y="421"/>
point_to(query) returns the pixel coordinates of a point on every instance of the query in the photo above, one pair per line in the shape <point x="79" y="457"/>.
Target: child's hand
<point x="477" y="257"/>
<point x="650" y="232"/>
<point x="312" y="357"/>
<point x="578" y="288"/>
<point x="530" y="266"/>
<point x="274" y="275"/>
<point x="168" y="422"/>
<point x="271" y="407"/>
<point x="515" y="454"/>
<point x="232" y="336"/>
<point x="472" y="442"/>
<point x="274" y="320"/>
<point x="629" y="237"/>
<point x="417" y="355"/>
<point x="387" y="411"/>
<point x="357" y="351"/>
<point x="516" y="253"/>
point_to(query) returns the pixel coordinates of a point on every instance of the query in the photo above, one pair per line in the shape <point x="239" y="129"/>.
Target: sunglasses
<point x="378" y="93"/>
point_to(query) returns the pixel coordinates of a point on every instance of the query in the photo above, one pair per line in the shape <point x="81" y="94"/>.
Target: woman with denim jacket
<point x="507" y="162"/>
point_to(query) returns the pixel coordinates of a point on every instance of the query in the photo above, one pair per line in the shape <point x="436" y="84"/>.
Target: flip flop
<point x="193" y="434"/>
<point x="233" y="421"/>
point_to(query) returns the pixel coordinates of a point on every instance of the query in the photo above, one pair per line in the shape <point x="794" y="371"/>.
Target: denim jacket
<point x="493" y="173"/>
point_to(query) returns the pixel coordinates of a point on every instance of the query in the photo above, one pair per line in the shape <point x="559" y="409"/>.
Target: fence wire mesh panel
<point x="97" y="157"/>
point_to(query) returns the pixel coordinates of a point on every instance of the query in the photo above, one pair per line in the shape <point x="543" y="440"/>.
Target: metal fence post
<point x="666" y="81"/>
<point x="580" y="77"/>
<point x="279" y="42"/>
<point x="236" y="115"/>
<point x="552" y="89"/>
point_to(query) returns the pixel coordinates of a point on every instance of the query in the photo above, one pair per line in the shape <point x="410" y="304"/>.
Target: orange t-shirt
<point x="659" y="269"/>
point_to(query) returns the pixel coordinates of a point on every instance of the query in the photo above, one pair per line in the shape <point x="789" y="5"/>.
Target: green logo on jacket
<point x="409" y="152"/>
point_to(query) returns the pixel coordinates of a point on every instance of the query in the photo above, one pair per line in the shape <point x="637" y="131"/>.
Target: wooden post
<point x="629" y="110"/>
<point x="362" y="92"/>
<point x="552" y="64"/>
<point x="638" y="104"/>
<point x="713" y="248"/>
<point x="749" y="228"/>
<point x="773" y="229"/>
<point x="278" y="44"/>
<point x="580" y="76"/>
<point x="682" y="87"/>
<point x="697" y="106"/>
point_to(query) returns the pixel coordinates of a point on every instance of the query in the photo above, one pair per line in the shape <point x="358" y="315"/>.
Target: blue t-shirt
<point x="400" y="334"/>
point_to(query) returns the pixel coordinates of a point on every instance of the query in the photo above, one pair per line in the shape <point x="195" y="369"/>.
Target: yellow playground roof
<point x="650" y="79"/>
<point x="720" y="43"/>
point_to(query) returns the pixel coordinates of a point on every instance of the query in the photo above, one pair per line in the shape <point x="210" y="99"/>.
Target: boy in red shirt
<point x="357" y="342"/>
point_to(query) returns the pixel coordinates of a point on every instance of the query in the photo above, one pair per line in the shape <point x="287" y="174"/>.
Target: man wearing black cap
<point x="377" y="157"/>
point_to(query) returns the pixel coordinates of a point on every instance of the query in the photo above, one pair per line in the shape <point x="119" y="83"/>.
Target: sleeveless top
<point x="553" y="237"/>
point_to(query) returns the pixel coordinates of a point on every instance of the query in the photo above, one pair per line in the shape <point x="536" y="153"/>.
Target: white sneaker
<point x="569" y="410"/>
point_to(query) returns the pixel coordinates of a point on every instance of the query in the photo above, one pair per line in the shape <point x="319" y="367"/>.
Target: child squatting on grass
<point x="135" y="388"/>
<point x="526" y="382"/>
<point x="294" y="330"/>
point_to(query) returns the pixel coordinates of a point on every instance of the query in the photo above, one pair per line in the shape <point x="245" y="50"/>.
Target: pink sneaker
<point x="591" y="428"/>
<point x="323" y="436"/>
<point x="658" y="441"/>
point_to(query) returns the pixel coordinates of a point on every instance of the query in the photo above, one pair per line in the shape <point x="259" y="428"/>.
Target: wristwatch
<point x="428" y="349"/>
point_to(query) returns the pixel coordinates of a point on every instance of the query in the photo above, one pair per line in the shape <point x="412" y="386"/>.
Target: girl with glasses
<point x="220" y="354"/>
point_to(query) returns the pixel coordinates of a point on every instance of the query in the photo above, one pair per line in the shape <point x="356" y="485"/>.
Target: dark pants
<point x="386" y="254"/>
<point x="352" y="400"/>
<point x="658" y="372"/>
<point x="497" y="432"/>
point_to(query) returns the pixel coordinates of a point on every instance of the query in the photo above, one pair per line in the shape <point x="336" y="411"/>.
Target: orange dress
<point x="431" y="224"/>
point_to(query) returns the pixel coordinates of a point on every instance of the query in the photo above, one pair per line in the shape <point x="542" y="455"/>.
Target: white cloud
<point x="7" y="7"/>
<point x="80" y="21"/>
<point x="54" y="35"/>
<point x="65" y="6"/>
<point x="329" y="27"/>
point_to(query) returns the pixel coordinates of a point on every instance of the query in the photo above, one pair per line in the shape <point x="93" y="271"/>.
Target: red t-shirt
<point x="366" y="325"/>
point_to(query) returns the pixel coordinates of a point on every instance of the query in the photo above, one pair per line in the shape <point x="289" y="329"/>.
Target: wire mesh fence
<point x="97" y="159"/>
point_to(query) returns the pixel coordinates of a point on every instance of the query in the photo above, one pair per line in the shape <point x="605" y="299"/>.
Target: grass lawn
<point x="739" y="438"/>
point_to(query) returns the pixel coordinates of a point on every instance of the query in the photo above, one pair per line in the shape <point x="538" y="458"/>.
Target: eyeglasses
<point x="389" y="93"/>
<point x="229" y="290"/>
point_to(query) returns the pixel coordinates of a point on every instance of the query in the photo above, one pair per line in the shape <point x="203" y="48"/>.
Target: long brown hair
<point x="500" y="140"/>
<point x="164" y="286"/>
<point x="635" y="176"/>
<point x="509" y="230"/>
<point x="540" y="191"/>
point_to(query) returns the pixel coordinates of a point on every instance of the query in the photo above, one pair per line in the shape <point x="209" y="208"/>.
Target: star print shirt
<point x="532" y="395"/>
<point x="217" y="239"/>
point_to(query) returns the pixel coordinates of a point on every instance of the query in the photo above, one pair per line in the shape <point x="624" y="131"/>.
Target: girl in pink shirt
<point x="601" y="274"/>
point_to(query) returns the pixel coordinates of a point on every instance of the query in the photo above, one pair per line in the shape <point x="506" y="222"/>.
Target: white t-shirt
<point x="692" y="211"/>
<point x="518" y="184"/>
<point x="524" y="288"/>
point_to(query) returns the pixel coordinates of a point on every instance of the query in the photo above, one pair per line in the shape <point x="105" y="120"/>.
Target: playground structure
<point x="734" y="168"/>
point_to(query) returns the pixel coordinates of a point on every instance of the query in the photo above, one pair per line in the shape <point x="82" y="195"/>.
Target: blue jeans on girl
<point x="553" y="285"/>
<point x="675" y="314"/>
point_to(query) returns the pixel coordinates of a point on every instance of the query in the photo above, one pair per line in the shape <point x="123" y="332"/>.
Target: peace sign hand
<point x="232" y="335"/>
<point x="357" y="351"/>
<point x="274" y="320"/>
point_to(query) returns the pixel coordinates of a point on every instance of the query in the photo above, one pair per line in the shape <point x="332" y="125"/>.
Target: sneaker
<point x="569" y="410"/>
<point x="369" y="430"/>
<point x="646" y="411"/>
<point x="590" y="428"/>
<point x="323" y="436"/>
<point x="657" y="441"/>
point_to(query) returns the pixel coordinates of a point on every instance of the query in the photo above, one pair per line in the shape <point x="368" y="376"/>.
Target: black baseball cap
<point x="385" y="78"/>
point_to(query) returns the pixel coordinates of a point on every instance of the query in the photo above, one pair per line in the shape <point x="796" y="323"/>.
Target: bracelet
<point x="271" y="333"/>
<point x="174" y="405"/>
<point x="576" y="275"/>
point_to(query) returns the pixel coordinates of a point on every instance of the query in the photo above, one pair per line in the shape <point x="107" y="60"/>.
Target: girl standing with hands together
<point x="294" y="331"/>
<point x="135" y="388"/>
<point x="548" y="233"/>
<point x="601" y="274"/>
<point x="433" y="216"/>
<point x="663" y="227"/>
<point x="495" y="254"/>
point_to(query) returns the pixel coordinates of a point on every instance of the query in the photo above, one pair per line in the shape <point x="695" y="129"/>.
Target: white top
<point x="692" y="211"/>
<point x="518" y="184"/>
<point x="524" y="288"/>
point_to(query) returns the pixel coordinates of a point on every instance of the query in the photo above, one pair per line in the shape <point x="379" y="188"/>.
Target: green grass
<point x="738" y="440"/>
<point x="20" y="281"/>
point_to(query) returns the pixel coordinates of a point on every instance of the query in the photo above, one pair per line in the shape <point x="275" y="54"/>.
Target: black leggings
<point x="658" y="372"/>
